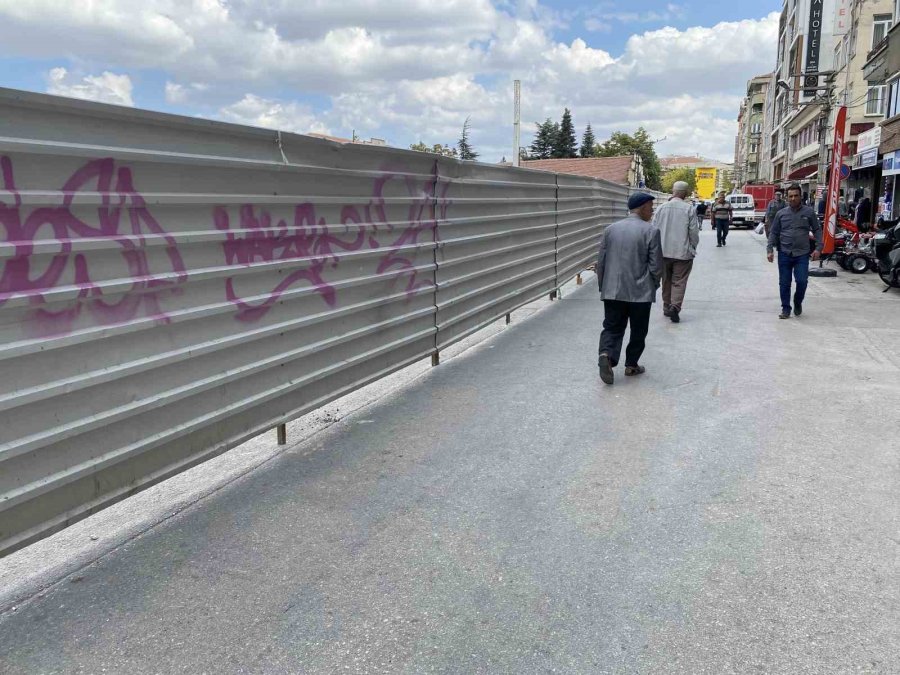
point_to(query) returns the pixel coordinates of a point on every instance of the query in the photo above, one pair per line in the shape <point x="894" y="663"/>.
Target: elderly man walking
<point x="629" y="266"/>
<point x="680" y="234"/>
<point x="773" y="207"/>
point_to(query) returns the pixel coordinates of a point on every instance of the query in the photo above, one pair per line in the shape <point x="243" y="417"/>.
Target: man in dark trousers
<point x="772" y="208"/>
<point x="790" y="234"/>
<point x="629" y="268"/>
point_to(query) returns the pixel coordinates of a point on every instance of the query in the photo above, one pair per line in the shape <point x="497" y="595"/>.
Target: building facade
<point x="748" y="153"/>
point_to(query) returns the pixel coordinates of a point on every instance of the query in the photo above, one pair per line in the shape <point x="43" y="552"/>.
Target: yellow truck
<point x="706" y="177"/>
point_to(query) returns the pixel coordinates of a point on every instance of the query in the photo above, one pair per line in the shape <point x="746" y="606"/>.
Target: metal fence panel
<point x="585" y="208"/>
<point x="170" y="287"/>
<point x="496" y="250"/>
<point x="161" y="301"/>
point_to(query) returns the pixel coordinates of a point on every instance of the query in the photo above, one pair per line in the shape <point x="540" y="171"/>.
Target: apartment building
<point x="806" y="37"/>
<point x="882" y="73"/>
<point x="751" y="123"/>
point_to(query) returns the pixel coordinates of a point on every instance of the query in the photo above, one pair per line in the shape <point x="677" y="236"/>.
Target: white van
<point x="744" y="212"/>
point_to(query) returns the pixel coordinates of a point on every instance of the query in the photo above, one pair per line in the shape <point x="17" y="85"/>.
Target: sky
<point x="406" y="70"/>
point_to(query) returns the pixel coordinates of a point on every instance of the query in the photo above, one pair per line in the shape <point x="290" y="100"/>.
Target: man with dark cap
<point x="629" y="267"/>
<point x="773" y="207"/>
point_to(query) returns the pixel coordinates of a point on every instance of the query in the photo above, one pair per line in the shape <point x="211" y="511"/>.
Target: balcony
<point x="884" y="58"/>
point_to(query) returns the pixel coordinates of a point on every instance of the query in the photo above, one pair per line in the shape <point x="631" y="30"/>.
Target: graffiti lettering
<point x="311" y="242"/>
<point x="118" y="197"/>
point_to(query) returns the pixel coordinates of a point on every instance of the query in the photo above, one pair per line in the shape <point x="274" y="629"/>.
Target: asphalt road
<point x="735" y="509"/>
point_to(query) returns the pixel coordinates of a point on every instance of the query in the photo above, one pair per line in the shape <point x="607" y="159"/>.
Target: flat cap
<point x="638" y="199"/>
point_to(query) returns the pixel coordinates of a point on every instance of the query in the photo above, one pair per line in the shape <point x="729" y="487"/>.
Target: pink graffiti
<point x="309" y="238"/>
<point x="21" y="276"/>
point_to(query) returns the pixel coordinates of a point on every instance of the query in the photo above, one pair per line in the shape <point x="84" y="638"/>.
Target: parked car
<point x="744" y="213"/>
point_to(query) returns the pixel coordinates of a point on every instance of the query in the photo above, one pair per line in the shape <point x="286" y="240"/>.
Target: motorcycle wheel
<point x="888" y="279"/>
<point x="858" y="264"/>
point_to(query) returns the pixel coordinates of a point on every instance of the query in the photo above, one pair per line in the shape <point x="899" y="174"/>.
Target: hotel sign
<point x="813" y="47"/>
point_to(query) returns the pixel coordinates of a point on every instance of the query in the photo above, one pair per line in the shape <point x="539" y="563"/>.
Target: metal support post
<point x="435" y="359"/>
<point x="281" y="431"/>
<point x="508" y="319"/>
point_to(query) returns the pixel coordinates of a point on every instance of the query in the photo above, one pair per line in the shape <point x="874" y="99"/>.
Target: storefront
<point x="865" y="170"/>
<point x="890" y="169"/>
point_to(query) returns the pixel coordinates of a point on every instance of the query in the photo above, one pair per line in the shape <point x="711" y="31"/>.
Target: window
<point x="880" y="26"/>
<point x="892" y="105"/>
<point x="754" y="147"/>
<point x="875" y="99"/>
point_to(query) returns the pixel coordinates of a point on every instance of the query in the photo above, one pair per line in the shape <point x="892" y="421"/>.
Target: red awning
<point x="803" y="172"/>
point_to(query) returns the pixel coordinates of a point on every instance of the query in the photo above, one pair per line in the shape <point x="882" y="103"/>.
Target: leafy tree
<point x="588" y="143"/>
<point x="542" y="145"/>
<point x="640" y="143"/>
<point x="687" y="175"/>
<point x="566" y="144"/>
<point x="465" y="148"/>
<point x="437" y="148"/>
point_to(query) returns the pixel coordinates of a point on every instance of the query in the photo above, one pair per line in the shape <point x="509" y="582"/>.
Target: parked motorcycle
<point x="887" y="252"/>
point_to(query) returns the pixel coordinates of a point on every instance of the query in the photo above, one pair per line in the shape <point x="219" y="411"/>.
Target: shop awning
<point x="803" y="172"/>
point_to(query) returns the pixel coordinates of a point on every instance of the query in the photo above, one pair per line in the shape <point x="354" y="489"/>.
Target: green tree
<point x="544" y="138"/>
<point x="566" y="144"/>
<point x="465" y="148"/>
<point x="640" y="143"/>
<point x="437" y="148"/>
<point x="669" y="178"/>
<point x="588" y="143"/>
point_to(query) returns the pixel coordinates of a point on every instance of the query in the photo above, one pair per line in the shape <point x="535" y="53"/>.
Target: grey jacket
<point x="629" y="265"/>
<point x="679" y="229"/>
<point x="774" y="207"/>
<point x="791" y="229"/>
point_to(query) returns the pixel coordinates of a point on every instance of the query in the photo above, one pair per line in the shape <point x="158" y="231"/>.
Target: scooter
<point x="887" y="252"/>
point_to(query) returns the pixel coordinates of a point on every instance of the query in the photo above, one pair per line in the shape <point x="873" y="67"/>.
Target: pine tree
<point x="588" y="143"/>
<point x="566" y="145"/>
<point x="465" y="148"/>
<point x="542" y="145"/>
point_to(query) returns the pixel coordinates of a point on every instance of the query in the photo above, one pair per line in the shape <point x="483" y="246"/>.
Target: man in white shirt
<point x="680" y="234"/>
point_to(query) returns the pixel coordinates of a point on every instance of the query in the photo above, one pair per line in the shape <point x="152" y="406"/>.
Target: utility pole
<point x="824" y="119"/>
<point x="517" y="119"/>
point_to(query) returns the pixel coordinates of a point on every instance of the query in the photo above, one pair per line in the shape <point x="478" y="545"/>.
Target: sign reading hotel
<point x="813" y="46"/>
<point x="841" y="17"/>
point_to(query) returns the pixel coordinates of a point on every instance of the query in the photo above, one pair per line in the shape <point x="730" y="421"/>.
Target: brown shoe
<point x="635" y="370"/>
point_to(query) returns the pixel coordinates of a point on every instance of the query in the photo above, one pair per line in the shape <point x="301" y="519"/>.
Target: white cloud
<point x="262" y="112"/>
<point x="106" y="88"/>
<point x="407" y="70"/>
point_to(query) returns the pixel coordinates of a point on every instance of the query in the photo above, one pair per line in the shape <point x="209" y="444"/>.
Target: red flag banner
<point x="834" y="182"/>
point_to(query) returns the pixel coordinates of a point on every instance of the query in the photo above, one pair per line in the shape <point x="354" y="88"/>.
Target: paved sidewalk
<point x="733" y="510"/>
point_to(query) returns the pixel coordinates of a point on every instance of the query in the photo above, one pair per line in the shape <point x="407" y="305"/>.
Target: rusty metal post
<point x="435" y="359"/>
<point x="281" y="429"/>
<point x="578" y="279"/>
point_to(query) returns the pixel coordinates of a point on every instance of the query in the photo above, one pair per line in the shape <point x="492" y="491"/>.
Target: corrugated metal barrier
<point x="171" y="287"/>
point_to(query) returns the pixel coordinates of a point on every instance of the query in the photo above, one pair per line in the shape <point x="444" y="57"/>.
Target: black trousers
<point x="618" y="315"/>
<point x="721" y="230"/>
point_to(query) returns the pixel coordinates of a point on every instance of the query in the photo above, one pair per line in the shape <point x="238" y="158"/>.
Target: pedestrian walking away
<point x="629" y="267"/>
<point x="791" y="230"/>
<point x="774" y="206"/>
<point x="721" y="218"/>
<point x="679" y="235"/>
<point x="701" y="213"/>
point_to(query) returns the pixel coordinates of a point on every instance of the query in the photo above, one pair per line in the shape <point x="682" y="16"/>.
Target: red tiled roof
<point x="614" y="169"/>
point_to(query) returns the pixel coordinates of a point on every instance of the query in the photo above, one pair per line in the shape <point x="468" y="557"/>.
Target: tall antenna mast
<point x="517" y="119"/>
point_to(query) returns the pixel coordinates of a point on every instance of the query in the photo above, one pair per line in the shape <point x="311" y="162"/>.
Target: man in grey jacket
<point x="629" y="267"/>
<point x="680" y="234"/>
<point x="792" y="229"/>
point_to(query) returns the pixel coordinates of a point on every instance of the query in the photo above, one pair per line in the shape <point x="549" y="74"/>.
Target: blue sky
<point x="404" y="70"/>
